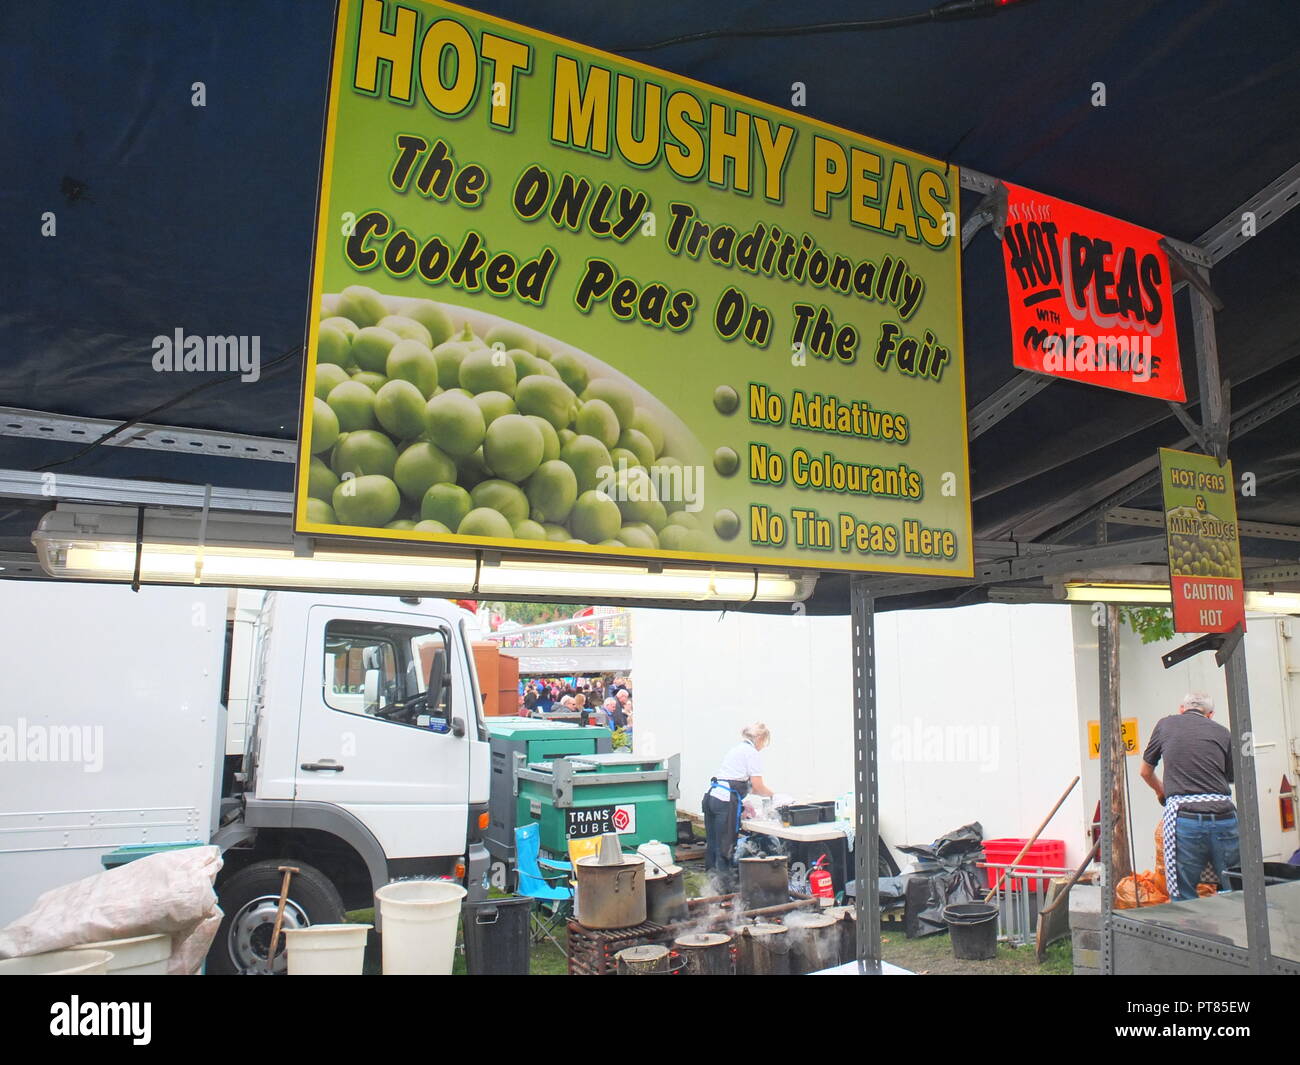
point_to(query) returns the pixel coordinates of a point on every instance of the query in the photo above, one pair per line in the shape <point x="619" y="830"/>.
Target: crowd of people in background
<point x="604" y="701"/>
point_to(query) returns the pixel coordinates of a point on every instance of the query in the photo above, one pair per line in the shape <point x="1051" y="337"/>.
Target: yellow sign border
<point x="568" y="552"/>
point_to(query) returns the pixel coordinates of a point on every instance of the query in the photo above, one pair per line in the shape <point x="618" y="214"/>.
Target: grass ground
<point x="932" y="956"/>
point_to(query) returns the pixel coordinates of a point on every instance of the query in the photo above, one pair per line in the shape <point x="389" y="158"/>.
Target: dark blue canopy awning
<point x="170" y="215"/>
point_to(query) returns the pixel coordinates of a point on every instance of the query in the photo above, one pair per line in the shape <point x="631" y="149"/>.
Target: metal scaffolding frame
<point x="1108" y="698"/>
<point x="866" y="784"/>
<point x="1243" y="771"/>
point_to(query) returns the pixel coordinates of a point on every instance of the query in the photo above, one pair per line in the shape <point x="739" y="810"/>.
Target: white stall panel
<point x="977" y="710"/>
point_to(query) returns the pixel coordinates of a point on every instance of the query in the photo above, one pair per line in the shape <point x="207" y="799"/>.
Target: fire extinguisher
<point x="819" y="881"/>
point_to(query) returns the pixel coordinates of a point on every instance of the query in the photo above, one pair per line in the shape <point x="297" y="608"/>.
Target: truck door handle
<point x="330" y="767"/>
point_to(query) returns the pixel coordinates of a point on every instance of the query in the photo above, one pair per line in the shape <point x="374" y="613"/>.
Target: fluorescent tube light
<point x="1273" y="602"/>
<point x="98" y="543"/>
<point x="1159" y="595"/>
<point x="1152" y="594"/>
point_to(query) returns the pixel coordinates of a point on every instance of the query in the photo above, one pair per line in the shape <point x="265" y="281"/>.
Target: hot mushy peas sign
<point x="569" y="303"/>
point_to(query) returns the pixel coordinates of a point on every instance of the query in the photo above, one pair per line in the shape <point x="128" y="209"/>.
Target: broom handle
<point x="1032" y="839"/>
<point x="1064" y="893"/>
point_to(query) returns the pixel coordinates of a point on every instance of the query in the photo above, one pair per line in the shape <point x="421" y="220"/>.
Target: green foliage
<point x="535" y="613"/>
<point x="619" y="740"/>
<point x="1152" y="623"/>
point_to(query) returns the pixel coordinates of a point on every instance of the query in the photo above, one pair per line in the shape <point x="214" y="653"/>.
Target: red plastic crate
<point x="1048" y="853"/>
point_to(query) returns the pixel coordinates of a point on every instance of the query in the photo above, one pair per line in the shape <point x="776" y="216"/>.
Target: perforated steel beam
<point x="43" y="425"/>
<point x="19" y="564"/>
<point x="1271" y="575"/>
<point x="1108" y="697"/>
<point x="1153" y="519"/>
<point x="1147" y="474"/>
<point x="1265" y="207"/>
<point x="1015" y="393"/>
<point x="1243" y="770"/>
<point x="1064" y="558"/>
<point x="1214" y="427"/>
<point x="866" y="788"/>
<point x="51" y="488"/>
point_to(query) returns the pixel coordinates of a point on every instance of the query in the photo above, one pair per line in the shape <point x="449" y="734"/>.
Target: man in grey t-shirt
<point x="1197" y="754"/>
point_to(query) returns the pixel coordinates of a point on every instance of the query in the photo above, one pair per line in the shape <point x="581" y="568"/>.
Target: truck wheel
<point x="249" y="900"/>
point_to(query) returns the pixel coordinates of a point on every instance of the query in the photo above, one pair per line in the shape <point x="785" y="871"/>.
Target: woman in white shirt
<point x="740" y="773"/>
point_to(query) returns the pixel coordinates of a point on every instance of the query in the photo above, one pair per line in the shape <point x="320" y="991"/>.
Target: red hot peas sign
<point x="1090" y="297"/>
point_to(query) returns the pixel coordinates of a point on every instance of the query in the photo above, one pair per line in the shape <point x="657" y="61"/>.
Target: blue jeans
<point x="1201" y="842"/>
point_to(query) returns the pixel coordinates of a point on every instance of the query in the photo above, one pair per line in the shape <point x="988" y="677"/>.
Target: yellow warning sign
<point x="1128" y="729"/>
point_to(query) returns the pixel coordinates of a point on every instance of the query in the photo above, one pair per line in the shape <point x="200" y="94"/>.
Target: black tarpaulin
<point x="175" y="216"/>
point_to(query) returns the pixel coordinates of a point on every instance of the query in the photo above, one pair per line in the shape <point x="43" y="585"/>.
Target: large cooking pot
<point x="764" y="882"/>
<point x="665" y="895"/>
<point x="814" y="942"/>
<point x="705" y="954"/>
<point x="763" y="950"/>
<point x="611" y="896"/>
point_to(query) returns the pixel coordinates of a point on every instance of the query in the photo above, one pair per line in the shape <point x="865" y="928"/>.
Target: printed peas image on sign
<point x="564" y="302"/>
<point x="1204" y="550"/>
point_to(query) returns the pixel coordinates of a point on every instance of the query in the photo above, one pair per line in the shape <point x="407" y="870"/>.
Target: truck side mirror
<point x="438" y="679"/>
<point x="370" y="689"/>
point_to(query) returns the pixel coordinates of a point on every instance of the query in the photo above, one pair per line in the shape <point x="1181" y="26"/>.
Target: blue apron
<point x="738" y="789"/>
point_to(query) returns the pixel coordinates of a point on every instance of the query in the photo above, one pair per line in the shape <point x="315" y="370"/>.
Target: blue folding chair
<point x="554" y="901"/>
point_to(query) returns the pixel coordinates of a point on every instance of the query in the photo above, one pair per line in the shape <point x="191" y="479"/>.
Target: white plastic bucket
<point x="58" y="963"/>
<point x="327" y="949"/>
<point x="137" y="956"/>
<point x="418" y="918"/>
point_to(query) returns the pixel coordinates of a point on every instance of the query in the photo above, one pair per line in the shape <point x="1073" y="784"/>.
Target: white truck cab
<point x="366" y="756"/>
<point x="366" y="750"/>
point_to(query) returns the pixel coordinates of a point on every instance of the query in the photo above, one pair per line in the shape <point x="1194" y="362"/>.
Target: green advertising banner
<point x="568" y="303"/>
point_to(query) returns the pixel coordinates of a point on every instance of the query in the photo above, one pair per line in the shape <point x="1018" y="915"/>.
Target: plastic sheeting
<point x="170" y="892"/>
<point x="946" y="874"/>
